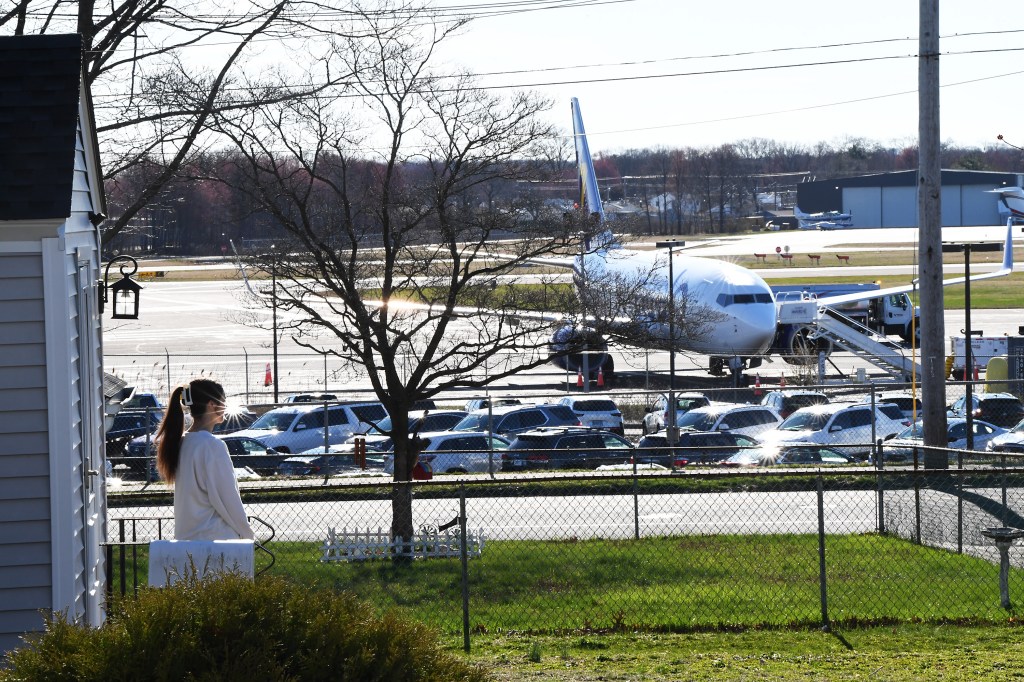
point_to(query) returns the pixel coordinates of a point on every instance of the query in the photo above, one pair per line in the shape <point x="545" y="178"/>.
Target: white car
<point x="598" y="413"/>
<point x="901" y="448"/>
<point x="458" y="452"/>
<point x="746" y="420"/>
<point x="299" y="427"/>
<point x="908" y="403"/>
<point x="657" y="415"/>
<point x="844" y="426"/>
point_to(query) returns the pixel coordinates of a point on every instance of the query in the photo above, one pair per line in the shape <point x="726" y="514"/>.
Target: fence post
<point x="325" y="370"/>
<point x="960" y="503"/>
<point x="636" y="502"/>
<point x="880" y="487"/>
<point x="167" y="360"/>
<point x="246" y="375"/>
<point x="917" y="506"/>
<point x="465" y="567"/>
<point x="821" y="555"/>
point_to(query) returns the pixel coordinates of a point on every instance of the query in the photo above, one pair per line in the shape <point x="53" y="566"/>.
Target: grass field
<point x="700" y="607"/>
<point x="688" y="583"/>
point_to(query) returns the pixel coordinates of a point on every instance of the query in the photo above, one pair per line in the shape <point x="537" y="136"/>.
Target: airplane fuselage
<point x="735" y="305"/>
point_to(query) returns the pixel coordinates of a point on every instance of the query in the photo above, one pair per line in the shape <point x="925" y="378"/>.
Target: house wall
<point x="25" y="552"/>
<point x="52" y="504"/>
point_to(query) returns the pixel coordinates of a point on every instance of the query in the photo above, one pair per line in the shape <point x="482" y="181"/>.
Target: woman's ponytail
<point x="168" y="437"/>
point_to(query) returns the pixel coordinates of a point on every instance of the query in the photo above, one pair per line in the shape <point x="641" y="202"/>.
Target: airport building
<point x="890" y="199"/>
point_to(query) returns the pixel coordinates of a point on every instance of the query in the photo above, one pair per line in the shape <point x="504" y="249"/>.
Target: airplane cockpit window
<point x="726" y="300"/>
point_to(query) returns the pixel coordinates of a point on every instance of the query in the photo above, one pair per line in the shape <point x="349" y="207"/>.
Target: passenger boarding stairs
<point x="868" y="345"/>
<point x="850" y="335"/>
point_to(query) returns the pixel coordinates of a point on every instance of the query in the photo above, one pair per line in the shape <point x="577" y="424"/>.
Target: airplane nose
<point x="756" y="328"/>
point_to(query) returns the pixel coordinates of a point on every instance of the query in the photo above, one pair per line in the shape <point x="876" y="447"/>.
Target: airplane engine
<point x="795" y="345"/>
<point x="577" y="340"/>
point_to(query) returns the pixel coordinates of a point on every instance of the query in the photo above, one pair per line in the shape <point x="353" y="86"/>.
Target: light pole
<point x="671" y="428"/>
<point x="966" y="247"/>
<point x="273" y="310"/>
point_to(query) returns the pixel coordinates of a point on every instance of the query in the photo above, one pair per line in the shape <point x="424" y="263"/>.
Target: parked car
<point x="375" y="451"/>
<point x="315" y="465"/>
<point x="565" y="448"/>
<point x="140" y="401"/>
<point x="657" y="414"/>
<point x="488" y="401"/>
<point x="236" y="420"/>
<point x="1010" y="441"/>
<point x="910" y="405"/>
<point x="598" y="413"/>
<point x="311" y="398"/>
<point x="844" y="426"/>
<point x="126" y="425"/>
<point x="693" y="447"/>
<point x="803" y="455"/>
<point x="436" y="420"/>
<point x="1001" y="409"/>
<point x="901" y="448"/>
<point x="512" y="419"/>
<point x="786" y="402"/>
<point x="252" y="454"/>
<point x="747" y="420"/>
<point x="301" y="426"/>
<point x="457" y="452"/>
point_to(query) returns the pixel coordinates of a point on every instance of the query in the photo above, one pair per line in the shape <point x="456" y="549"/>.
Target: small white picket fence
<point x="427" y="544"/>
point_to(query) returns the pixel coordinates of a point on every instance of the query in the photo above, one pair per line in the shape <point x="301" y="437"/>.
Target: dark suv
<point x="129" y="424"/>
<point x="513" y="419"/>
<point x="694" y="447"/>
<point x="1001" y="409"/>
<point x="788" y="402"/>
<point x="565" y="448"/>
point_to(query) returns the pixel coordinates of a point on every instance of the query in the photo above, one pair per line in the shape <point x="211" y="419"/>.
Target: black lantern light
<point x="125" y="290"/>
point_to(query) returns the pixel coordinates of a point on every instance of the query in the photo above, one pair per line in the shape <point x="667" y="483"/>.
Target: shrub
<point x="232" y="628"/>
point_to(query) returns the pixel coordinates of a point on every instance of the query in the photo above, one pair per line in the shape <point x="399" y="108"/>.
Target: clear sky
<point x="655" y="59"/>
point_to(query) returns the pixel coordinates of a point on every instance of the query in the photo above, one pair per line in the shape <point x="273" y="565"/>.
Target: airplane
<point x="737" y="305"/>
<point x="741" y="320"/>
<point x="1012" y="200"/>
<point x="823" y="220"/>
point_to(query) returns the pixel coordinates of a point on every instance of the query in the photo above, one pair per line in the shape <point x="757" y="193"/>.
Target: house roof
<point x="40" y="87"/>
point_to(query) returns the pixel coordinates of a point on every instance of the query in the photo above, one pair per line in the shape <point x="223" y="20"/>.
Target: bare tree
<point x="159" y="69"/>
<point x="389" y="255"/>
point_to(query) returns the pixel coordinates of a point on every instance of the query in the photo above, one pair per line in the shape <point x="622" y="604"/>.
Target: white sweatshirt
<point x="207" y="505"/>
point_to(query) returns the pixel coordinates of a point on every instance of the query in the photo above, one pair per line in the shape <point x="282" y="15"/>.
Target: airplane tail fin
<point x="589" y="199"/>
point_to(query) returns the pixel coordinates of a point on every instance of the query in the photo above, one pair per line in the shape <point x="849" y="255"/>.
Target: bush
<point x="232" y="628"/>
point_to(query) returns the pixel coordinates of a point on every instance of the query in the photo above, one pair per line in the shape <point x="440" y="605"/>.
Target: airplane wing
<point x="1005" y="269"/>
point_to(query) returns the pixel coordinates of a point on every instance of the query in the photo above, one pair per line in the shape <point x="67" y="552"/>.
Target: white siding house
<point x="52" y="502"/>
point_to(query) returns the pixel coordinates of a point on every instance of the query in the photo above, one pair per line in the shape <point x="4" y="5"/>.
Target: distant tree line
<point x="665" y="191"/>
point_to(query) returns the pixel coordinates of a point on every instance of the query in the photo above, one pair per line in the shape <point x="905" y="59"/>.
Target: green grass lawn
<point x="671" y="584"/>
<point x="699" y="607"/>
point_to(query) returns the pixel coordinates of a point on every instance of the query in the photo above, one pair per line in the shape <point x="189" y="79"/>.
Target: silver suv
<point x="844" y="426"/>
<point x="657" y="415"/>
<point x="746" y="420"/>
<point x="299" y="427"/>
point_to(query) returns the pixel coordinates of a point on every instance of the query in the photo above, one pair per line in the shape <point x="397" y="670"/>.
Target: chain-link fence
<point x="249" y="376"/>
<point x="708" y="547"/>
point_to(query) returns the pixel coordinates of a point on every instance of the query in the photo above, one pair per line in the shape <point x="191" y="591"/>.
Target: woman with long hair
<point x="207" y="504"/>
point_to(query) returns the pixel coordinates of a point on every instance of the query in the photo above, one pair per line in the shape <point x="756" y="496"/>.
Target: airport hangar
<point x="890" y="199"/>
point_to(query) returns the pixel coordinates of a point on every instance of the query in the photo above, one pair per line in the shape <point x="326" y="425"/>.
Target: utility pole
<point x="929" y="210"/>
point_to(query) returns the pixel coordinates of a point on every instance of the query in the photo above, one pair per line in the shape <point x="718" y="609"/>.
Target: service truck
<point x="983" y="349"/>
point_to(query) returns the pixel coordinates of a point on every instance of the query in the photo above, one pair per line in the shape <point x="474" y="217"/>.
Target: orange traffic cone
<point x="579" y="378"/>
<point x="268" y="378"/>
<point x="757" y="385"/>
<point x="975" y="371"/>
<point x="600" y="377"/>
<point x="782" y="381"/>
